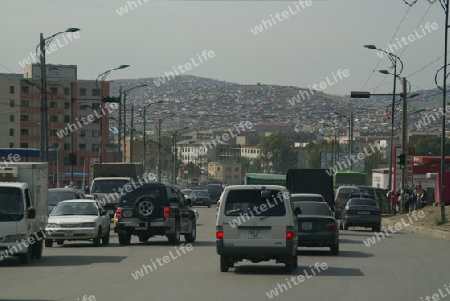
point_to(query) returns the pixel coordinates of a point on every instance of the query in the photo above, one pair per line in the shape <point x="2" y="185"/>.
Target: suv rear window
<point x="252" y="202"/>
<point x="158" y="192"/>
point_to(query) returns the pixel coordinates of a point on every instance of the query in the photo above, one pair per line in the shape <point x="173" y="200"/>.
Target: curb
<point x="438" y="234"/>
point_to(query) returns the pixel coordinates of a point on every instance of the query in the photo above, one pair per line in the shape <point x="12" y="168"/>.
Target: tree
<point x="277" y="153"/>
<point x="431" y="146"/>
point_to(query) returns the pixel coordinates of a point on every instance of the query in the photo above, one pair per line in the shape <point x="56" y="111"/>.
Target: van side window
<point x="27" y="198"/>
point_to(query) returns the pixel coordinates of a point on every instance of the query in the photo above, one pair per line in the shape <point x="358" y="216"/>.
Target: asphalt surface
<point x="401" y="266"/>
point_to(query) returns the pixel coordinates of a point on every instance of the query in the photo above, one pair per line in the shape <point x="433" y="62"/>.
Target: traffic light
<point x="402" y="161"/>
<point x="73" y="159"/>
<point x="110" y="99"/>
<point x="359" y="94"/>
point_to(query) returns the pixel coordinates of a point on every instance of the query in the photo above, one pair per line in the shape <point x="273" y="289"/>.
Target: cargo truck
<point x="23" y="210"/>
<point x="109" y="179"/>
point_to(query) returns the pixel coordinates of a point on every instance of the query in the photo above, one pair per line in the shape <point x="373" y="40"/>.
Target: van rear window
<point x="255" y="203"/>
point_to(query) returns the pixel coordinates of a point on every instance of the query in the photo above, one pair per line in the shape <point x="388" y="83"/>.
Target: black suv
<point x="155" y="209"/>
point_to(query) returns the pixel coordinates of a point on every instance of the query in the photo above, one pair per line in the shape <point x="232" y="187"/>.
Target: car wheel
<point x="289" y="264"/>
<point x="191" y="237"/>
<point x="296" y="262"/>
<point x="335" y="249"/>
<point x="49" y="243"/>
<point x="96" y="241"/>
<point x="105" y="239"/>
<point x="224" y="263"/>
<point x="37" y="250"/>
<point x="124" y="239"/>
<point x="209" y="205"/>
<point x="146" y="207"/>
<point x="376" y="228"/>
<point x="174" y="239"/>
<point x="26" y="258"/>
<point x="345" y="225"/>
<point x="59" y="241"/>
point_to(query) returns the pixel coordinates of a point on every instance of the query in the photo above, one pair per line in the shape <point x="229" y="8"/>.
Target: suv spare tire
<point x="146" y="207"/>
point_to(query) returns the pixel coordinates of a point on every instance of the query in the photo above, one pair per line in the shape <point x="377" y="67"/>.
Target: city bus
<point x="350" y="177"/>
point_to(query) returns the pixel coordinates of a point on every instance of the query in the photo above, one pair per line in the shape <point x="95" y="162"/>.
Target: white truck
<point x="23" y="210"/>
<point x="109" y="180"/>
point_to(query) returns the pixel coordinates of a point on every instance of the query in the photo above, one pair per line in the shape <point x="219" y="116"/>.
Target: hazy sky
<point x="307" y="46"/>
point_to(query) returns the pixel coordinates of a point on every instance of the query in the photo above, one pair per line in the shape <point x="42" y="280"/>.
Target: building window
<point x="11" y="89"/>
<point x="66" y="91"/>
<point x="23" y="117"/>
<point x="95" y="92"/>
<point x="83" y="106"/>
<point x="82" y="146"/>
<point x="25" y="103"/>
<point x="53" y="118"/>
<point x="95" y="106"/>
<point x="11" y="118"/>
<point x="11" y="132"/>
<point x="11" y="103"/>
<point x="53" y="104"/>
<point x="52" y="132"/>
<point x="82" y="92"/>
<point x="24" y="145"/>
<point x="81" y="161"/>
<point x="82" y="133"/>
<point x="66" y="146"/>
<point x="66" y="119"/>
<point x="95" y="133"/>
<point x="25" y="89"/>
<point x="66" y="161"/>
<point x="218" y="168"/>
<point x="11" y="145"/>
<point x="24" y="132"/>
<point x="95" y="147"/>
<point x="53" y="90"/>
<point x="67" y="105"/>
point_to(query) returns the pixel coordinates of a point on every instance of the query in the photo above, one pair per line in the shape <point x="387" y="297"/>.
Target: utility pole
<point x="72" y="100"/>
<point x="132" y="133"/>
<point x="124" y="126"/>
<point x="404" y="128"/>
<point x="119" y="142"/>
<point x="174" y="144"/>
<point x="43" y="128"/>
<point x="159" y="149"/>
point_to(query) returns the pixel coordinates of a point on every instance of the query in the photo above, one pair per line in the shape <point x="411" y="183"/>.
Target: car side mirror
<point x="31" y="213"/>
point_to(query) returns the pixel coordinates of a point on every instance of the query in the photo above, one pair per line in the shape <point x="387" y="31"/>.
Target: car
<point x="56" y="195"/>
<point x="317" y="226"/>
<point x="78" y="219"/>
<point x="379" y="195"/>
<point x="361" y="212"/>
<point x="155" y="209"/>
<point x="307" y="197"/>
<point x="200" y="197"/>
<point x="214" y="190"/>
<point x="256" y="223"/>
<point x="342" y="195"/>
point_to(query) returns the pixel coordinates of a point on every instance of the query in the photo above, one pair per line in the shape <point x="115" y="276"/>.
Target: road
<point x="398" y="267"/>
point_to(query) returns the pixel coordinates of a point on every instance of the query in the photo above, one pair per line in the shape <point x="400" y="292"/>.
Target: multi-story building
<point x="75" y="114"/>
<point x="227" y="173"/>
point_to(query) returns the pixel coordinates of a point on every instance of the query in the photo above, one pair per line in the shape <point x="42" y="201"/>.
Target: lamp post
<point x="42" y="46"/>
<point x="102" y="77"/>
<point x="393" y="58"/>
<point x="143" y="114"/>
<point x="125" y="92"/>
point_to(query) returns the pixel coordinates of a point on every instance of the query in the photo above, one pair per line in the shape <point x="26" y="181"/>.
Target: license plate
<point x="306" y="226"/>
<point x="127" y="214"/>
<point x="254" y="234"/>
<point x="363" y="212"/>
<point x="69" y="233"/>
<point x="110" y="211"/>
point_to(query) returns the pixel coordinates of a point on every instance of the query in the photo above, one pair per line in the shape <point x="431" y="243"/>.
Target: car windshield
<point x="254" y="202"/>
<point x="56" y="196"/>
<point x="313" y="208"/>
<point x="200" y="193"/>
<point x="108" y="186"/>
<point x="358" y="202"/>
<point x="75" y="208"/>
<point x="307" y="198"/>
<point x="10" y="200"/>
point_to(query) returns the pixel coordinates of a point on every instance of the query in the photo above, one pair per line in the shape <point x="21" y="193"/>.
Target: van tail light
<point x="289" y="233"/>
<point x="330" y="226"/>
<point x="118" y="212"/>
<point x="350" y="211"/>
<point x="167" y="212"/>
<point x="219" y="232"/>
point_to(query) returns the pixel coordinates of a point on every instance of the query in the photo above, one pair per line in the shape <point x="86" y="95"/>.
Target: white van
<point x="257" y="223"/>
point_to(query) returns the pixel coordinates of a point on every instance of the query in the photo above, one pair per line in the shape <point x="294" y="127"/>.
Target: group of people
<point x="413" y="199"/>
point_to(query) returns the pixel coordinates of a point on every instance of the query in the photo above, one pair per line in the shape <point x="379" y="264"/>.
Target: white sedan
<point x="78" y="220"/>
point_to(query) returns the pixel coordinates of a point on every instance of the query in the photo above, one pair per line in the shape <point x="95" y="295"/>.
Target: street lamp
<point x="143" y="116"/>
<point x="43" y="44"/>
<point x="393" y="58"/>
<point x="125" y="118"/>
<point x="102" y="77"/>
